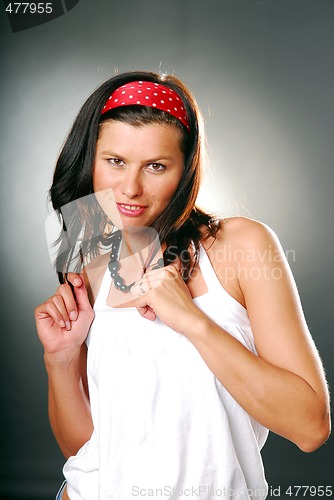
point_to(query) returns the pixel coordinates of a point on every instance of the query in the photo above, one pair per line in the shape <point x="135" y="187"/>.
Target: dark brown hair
<point x="180" y="225"/>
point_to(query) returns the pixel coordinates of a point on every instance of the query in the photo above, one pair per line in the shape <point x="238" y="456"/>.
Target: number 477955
<point x="29" y="8"/>
<point x="312" y="491"/>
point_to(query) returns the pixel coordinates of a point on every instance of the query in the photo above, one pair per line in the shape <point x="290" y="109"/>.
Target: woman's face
<point x="137" y="171"/>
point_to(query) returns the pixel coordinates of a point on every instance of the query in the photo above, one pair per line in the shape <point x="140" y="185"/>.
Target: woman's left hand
<point x="164" y="294"/>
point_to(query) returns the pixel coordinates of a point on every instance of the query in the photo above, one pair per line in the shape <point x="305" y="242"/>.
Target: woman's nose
<point x="132" y="185"/>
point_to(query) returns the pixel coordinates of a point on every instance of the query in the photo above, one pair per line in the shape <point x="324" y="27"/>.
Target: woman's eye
<point x="156" y="167"/>
<point x="115" y="161"/>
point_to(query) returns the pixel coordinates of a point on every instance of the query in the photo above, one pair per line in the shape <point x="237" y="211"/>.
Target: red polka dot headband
<point x="150" y="94"/>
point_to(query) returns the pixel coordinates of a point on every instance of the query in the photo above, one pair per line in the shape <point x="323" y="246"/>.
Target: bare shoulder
<point x="241" y="234"/>
<point x="239" y="244"/>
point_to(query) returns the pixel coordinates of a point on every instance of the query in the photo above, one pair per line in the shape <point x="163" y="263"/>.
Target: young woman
<point x="179" y="340"/>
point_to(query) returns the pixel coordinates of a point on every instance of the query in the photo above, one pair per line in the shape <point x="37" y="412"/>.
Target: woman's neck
<point x="143" y="242"/>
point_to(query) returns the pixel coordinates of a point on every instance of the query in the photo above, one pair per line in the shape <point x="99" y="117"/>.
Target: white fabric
<point x="165" y="427"/>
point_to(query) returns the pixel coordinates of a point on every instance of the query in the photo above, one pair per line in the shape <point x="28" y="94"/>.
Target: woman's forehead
<point x="116" y="133"/>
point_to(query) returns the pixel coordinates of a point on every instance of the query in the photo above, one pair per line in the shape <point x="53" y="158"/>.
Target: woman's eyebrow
<point x="160" y="158"/>
<point x="150" y="160"/>
<point x="108" y="152"/>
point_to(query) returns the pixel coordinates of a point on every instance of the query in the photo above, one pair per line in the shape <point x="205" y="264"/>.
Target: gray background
<point x="262" y="71"/>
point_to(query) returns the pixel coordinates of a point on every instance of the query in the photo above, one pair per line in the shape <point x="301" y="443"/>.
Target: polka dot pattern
<point x="150" y="94"/>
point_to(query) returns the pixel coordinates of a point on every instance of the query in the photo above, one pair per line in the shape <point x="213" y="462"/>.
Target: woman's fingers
<point x="147" y="312"/>
<point x="58" y="311"/>
<point x="55" y="310"/>
<point x="80" y="290"/>
<point x="75" y="279"/>
<point x="141" y="287"/>
<point x="147" y="284"/>
<point x="64" y="319"/>
<point x="154" y="278"/>
<point x="69" y="301"/>
<point x="61" y="307"/>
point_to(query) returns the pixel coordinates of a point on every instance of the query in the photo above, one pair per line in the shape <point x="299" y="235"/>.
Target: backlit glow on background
<point x="263" y="74"/>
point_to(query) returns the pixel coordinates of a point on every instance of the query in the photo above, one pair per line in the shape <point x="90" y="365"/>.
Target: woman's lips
<point x="131" y="210"/>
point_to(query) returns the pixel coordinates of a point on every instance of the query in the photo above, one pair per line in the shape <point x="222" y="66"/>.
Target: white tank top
<point x="164" y="426"/>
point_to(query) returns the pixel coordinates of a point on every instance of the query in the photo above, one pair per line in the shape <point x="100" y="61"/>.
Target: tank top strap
<point x="208" y="273"/>
<point x="216" y="289"/>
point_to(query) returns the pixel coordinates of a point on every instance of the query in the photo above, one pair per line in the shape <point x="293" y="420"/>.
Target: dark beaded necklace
<point x="114" y="264"/>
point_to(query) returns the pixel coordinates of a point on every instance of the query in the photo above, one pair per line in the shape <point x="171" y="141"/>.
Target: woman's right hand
<point x="64" y="319"/>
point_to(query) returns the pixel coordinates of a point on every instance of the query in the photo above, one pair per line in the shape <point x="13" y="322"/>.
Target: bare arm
<point x="62" y="324"/>
<point x="69" y="409"/>
<point x="284" y="387"/>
